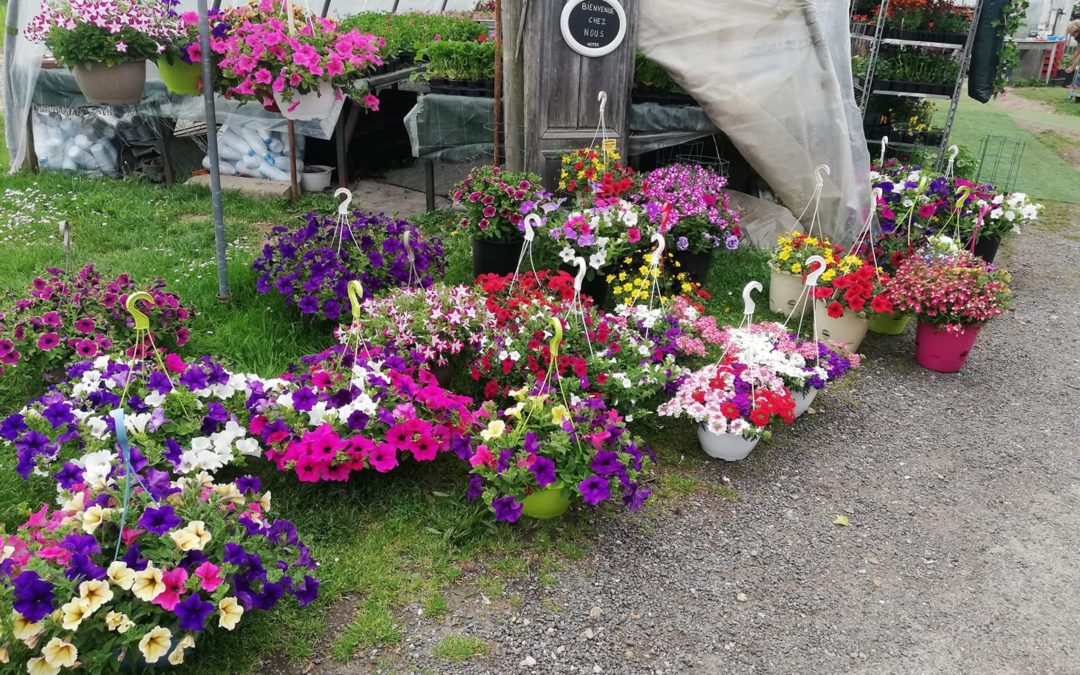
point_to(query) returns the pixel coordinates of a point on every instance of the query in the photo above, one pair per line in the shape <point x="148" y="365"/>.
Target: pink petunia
<point x="210" y="576"/>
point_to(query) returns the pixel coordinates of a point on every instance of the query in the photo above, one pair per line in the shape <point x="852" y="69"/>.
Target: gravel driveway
<point x="962" y="554"/>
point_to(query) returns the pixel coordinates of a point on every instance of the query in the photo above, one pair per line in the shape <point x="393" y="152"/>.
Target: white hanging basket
<point x="315" y="105"/>
<point x="849" y="329"/>
<point x="786" y="293"/>
<point x="728" y="447"/>
<point x="803" y="401"/>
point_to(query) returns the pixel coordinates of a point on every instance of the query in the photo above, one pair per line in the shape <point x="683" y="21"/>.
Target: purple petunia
<point x="159" y="520"/>
<point x="33" y="596"/>
<point x="192" y="612"/>
<point x="507" y="509"/>
<point x="543" y="469"/>
<point x="594" y="490"/>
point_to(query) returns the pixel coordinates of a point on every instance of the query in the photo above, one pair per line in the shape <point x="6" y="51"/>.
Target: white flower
<point x="99" y="429"/>
<point x="597" y="260"/>
<point x="567" y="255"/>
<point x="96" y="465"/>
<point x="136" y="422"/>
<point x="154" y="399"/>
<point x="996" y="213"/>
<point x="249" y="447"/>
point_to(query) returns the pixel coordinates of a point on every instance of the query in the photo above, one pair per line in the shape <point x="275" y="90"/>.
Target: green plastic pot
<point x="546" y="504"/>
<point x="180" y="78"/>
<point x="889" y="324"/>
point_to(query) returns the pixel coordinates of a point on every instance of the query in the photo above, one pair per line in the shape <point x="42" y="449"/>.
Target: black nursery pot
<point x="696" y="265"/>
<point x="495" y="257"/>
<point x="987" y="248"/>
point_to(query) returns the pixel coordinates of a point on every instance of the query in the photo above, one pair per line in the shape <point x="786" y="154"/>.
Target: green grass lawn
<point x="384" y="541"/>
<point x="1054" y="96"/>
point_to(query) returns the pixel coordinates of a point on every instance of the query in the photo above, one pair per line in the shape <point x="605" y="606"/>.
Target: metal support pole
<point x="212" y="152"/>
<point x="498" y="83"/>
<point x="294" y="190"/>
<point x="429" y="184"/>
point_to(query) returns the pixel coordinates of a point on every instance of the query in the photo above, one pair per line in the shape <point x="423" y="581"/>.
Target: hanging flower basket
<point x="803" y="400"/>
<point x="120" y="84"/>
<point x="849" y="328"/>
<point x="179" y="77"/>
<point x="728" y="447"/>
<point x="314" y="105"/>
<point x="889" y="324"/>
<point x="546" y="504"/>
<point x="942" y="350"/>
<point x="785" y="290"/>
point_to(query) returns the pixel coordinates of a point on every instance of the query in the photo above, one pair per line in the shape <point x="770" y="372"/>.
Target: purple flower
<point x="635" y="495"/>
<point x="606" y="463"/>
<point x="269" y="596"/>
<point x="476" y="487"/>
<point x="682" y="243"/>
<point x="159" y="382"/>
<point x="194" y="378"/>
<point x="192" y="612"/>
<point x="159" y="520"/>
<point x="594" y="490"/>
<point x="543" y="469"/>
<point x="33" y="596"/>
<point x="81" y="566"/>
<point x="507" y="509"/>
<point x="248" y="484"/>
<point x="303" y="399"/>
<point x="306" y="591"/>
<point x="69" y="476"/>
<point x="12" y="426"/>
<point x="58" y="414"/>
<point x="81" y="544"/>
<point x="308" y="304"/>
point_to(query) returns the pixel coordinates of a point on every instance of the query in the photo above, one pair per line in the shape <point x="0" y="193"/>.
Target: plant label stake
<point x="983" y="210"/>
<point x="532" y="222"/>
<point x="65" y="235"/>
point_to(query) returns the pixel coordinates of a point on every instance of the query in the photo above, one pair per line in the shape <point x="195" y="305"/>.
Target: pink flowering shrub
<point x="68" y="317"/>
<point x="104" y="31"/>
<point x="259" y="55"/>
<point x="951" y="291"/>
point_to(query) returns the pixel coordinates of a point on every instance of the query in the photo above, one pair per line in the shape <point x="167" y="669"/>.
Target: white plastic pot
<point x="316" y="177"/>
<point x="728" y="447"/>
<point x="803" y="401"/>
<point x="315" y="105"/>
<point x="849" y="329"/>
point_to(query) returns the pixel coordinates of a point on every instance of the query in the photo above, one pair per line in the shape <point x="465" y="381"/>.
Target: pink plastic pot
<point x="943" y="351"/>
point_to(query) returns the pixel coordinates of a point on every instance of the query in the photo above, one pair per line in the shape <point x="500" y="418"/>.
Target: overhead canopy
<point x="775" y="77"/>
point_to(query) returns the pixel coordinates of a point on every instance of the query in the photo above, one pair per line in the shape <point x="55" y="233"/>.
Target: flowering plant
<point x="103" y="31"/>
<point x="588" y="174"/>
<point x="186" y="417"/>
<point x="802" y="364"/>
<point x="731" y="397"/>
<point x="793" y="250"/>
<point x="312" y="266"/>
<point x="65" y="316"/>
<point x="109" y="581"/>
<point x="600" y="235"/>
<point x="856" y="285"/>
<point x="429" y="325"/>
<point x="348" y="411"/>
<point x="496" y="202"/>
<point x="261" y="54"/>
<point x="547" y="441"/>
<point x="187" y="48"/>
<point x="700" y="217"/>
<point x="637" y="281"/>
<point x="1002" y="214"/>
<point x="950" y="290"/>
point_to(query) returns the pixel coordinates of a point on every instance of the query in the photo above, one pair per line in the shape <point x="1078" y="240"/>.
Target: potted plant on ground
<point x="788" y="269"/>
<point x="105" y="43"/>
<point x="953" y="294"/>
<point x="849" y="292"/>
<point x="300" y="64"/>
<point x="732" y="405"/>
<point x="993" y="218"/>
<point x="495" y="204"/>
<point x="692" y="206"/>
<point x="536" y="456"/>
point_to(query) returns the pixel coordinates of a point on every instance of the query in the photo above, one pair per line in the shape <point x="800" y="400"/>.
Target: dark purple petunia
<point x="531" y="443"/>
<point x="69" y="476"/>
<point x="158" y="484"/>
<point x="194" y="378"/>
<point x="606" y="463"/>
<point x="635" y="495"/>
<point x="304" y="399"/>
<point x="81" y="544"/>
<point x="248" y="484"/>
<point x="216" y="417"/>
<point x="159" y="520"/>
<point x="306" y="591"/>
<point x="158" y="382"/>
<point x="476" y="487"/>
<point x="543" y="469"/>
<point x="358" y="420"/>
<point x="33" y="596"/>
<point x="58" y="414"/>
<point x="192" y="612"/>
<point x="82" y="567"/>
<point x="12" y="426"/>
<point x="594" y="490"/>
<point x="461" y="445"/>
<point x="282" y="532"/>
<point x="507" y="509"/>
<point x="133" y="558"/>
<point x="268" y="596"/>
<point x="308" y="304"/>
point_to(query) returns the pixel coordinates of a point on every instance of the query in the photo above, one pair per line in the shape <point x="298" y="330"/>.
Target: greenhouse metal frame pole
<point x="212" y="151"/>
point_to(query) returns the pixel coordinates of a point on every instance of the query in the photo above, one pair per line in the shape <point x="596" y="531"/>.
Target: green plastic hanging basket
<point x="547" y="504"/>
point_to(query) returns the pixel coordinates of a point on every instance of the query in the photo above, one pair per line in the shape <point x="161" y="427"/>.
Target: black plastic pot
<point x="495" y="257"/>
<point x="987" y="248"/>
<point x="696" y="265"/>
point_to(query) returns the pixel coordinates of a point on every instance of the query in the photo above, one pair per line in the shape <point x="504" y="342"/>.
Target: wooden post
<point x="513" y="83"/>
<point x="562" y="84"/>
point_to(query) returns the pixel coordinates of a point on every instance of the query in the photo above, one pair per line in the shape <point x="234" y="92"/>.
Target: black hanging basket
<point x="696" y="265"/>
<point x="987" y="248"/>
<point x="495" y="257"/>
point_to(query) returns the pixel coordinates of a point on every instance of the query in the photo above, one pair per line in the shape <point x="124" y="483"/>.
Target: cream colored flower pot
<point x="121" y="84"/>
<point x="848" y="330"/>
<point x="785" y="290"/>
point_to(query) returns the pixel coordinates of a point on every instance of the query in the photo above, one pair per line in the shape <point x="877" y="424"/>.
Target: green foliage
<point x="90" y="44"/>
<point x="407" y="33"/>
<point x="650" y="74"/>
<point x="459" y="648"/>
<point x="458" y="60"/>
<point x="1013" y="16"/>
<point x="915" y="66"/>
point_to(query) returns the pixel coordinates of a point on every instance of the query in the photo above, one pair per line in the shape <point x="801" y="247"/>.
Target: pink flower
<point x="121" y="47"/>
<point x="131" y="536"/>
<point x="482" y="456"/>
<point x="174" y="364"/>
<point x="174" y="581"/>
<point x="263" y="76"/>
<point x="189" y="18"/>
<point x="48" y="341"/>
<point x="371" y="102"/>
<point x="279" y="85"/>
<point x="194" y="52"/>
<point x="633" y="235"/>
<point x="382" y="457"/>
<point x="211" y="576"/>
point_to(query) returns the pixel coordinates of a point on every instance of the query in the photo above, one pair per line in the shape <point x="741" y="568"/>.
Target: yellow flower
<point x="515" y="411"/>
<point x="39" y="666"/>
<point x="93" y="517"/>
<point x="784" y="254"/>
<point x="120" y="574"/>
<point x="192" y="538"/>
<point x="264" y="501"/>
<point x="828" y="274"/>
<point x="96" y="593"/>
<point x="686" y="287"/>
<point x="113" y="620"/>
<point x="22" y="629"/>
<point x="558" y="414"/>
<point x="796" y="268"/>
<point x="177" y="656"/>
<point x="229" y="494"/>
<point x="155" y="644"/>
<point x="622" y="276"/>
<point x="231" y="611"/>
<point x="60" y="653"/>
<point x="73" y="505"/>
<point x="4" y="656"/>
<point x="148" y="584"/>
<point x="495" y="429"/>
<point x="74" y="611"/>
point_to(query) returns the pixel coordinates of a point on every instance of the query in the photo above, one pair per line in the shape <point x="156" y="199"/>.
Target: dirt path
<point x="963" y="493"/>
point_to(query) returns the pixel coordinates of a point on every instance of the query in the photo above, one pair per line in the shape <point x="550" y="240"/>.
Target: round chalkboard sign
<point x="593" y="27"/>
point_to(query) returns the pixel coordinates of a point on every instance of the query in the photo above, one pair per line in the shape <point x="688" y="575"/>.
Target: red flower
<point x="729" y="411"/>
<point x="835" y="309"/>
<point x="856" y="304"/>
<point x="698" y="396"/>
<point x="759" y="416"/>
<point x="881" y="304"/>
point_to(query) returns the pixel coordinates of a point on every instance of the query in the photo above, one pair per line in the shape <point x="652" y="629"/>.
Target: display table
<point x="1034" y="65"/>
<point x="460" y="129"/>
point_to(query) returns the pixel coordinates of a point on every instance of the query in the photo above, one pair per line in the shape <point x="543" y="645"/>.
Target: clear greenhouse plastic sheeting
<point x="775" y="76"/>
<point x="22" y="60"/>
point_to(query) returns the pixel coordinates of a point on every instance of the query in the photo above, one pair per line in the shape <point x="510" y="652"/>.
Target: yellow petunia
<point x="495" y="429"/>
<point x="60" y="653"/>
<point x="155" y="644"/>
<point x="231" y="611"/>
<point x="39" y="666"/>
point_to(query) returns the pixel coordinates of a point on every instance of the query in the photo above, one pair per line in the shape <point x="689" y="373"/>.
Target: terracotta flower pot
<point x="728" y="447"/>
<point x="941" y="350"/>
<point x="546" y="504"/>
<point x="179" y="77"/>
<point x="121" y="84"/>
<point x="785" y="289"/>
<point x="848" y="329"/>
<point x="314" y="105"/>
<point x="889" y="324"/>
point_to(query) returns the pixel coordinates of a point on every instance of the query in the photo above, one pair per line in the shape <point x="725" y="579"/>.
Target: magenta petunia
<point x="48" y="341"/>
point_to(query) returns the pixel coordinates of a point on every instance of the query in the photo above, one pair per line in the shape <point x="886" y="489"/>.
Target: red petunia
<point x="881" y="304"/>
<point x="835" y="309"/>
<point x="729" y="411"/>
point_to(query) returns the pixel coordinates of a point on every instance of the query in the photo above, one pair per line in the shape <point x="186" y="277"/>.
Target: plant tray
<point x="474" y="89"/>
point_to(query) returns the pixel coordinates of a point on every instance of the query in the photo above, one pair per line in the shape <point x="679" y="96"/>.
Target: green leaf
<point x="842" y="521"/>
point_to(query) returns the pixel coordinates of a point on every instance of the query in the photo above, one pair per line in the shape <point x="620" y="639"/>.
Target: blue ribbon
<point x="125" y="451"/>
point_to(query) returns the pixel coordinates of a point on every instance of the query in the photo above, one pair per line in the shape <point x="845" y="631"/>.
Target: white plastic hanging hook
<point x="582" y="270"/>
<point x="661" y="244"/>
<point x="602" y="97"/>
<point x="814" y="272"/>
<point x="532" y="222"/>
<point x="884" y="144"/>
<point x="877" y="193"/>
<point x="343" y="207"/>
<point x="953" y="152"/>
<point x="819" y="182"/>
<point x="749" y="306"/>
